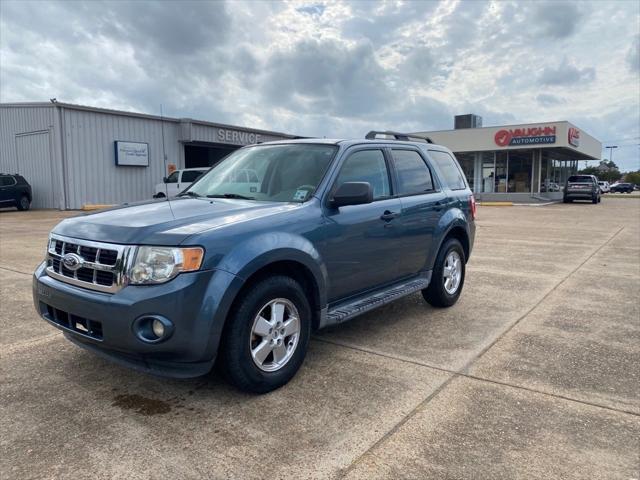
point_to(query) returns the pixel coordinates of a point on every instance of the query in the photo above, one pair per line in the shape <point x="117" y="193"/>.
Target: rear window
<point x="450" y="170"/>
<point x="580" y="179"/>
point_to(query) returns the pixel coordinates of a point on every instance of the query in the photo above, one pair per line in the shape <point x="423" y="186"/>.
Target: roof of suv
<point x="348" y="142"/>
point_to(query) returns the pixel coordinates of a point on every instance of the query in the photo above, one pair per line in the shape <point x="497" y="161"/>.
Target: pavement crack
<point x="538" y="303"/>
<point x="463" y="372"/>
<point x="17" y="347"/>
<point x="15" y="271"/>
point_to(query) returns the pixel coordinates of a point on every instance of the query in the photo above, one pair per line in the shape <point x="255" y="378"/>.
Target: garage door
<point x="34" y="164"/>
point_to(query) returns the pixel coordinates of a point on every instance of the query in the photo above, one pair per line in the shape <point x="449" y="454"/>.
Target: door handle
<point x="387" y="216"/>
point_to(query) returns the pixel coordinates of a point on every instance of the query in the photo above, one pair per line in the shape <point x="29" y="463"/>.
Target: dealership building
<point x="75" y="155"/>
<point x="519" y="163"/>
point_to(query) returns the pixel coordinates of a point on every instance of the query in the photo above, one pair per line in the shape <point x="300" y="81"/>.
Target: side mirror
<point x="352" y="193"/>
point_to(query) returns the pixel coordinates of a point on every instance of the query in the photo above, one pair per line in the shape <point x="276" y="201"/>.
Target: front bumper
<point x="103" y="322"/>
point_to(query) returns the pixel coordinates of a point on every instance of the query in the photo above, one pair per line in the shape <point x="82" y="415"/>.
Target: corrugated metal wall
<point x="91" y="172"/>
<point x="81" y="156"/>
<point x="13" y="121"/>
<point x="34" y="164"/>
<point x="28" y="138"/>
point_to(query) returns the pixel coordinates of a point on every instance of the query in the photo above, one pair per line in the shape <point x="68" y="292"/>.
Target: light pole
<point x="611" y="147"/>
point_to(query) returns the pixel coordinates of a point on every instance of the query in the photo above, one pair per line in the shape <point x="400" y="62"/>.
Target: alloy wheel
<point x="274" y="335"/>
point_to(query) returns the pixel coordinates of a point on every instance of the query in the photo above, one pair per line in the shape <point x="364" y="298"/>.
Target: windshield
<point x="272" y="173"/>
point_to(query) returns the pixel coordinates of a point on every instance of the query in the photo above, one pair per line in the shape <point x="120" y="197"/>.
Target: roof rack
<point x="373" y="135"/>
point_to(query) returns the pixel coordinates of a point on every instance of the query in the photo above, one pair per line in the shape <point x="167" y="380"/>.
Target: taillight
<point x="473" y="206"/>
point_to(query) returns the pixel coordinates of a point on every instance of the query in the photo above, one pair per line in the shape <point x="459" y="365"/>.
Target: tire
<point x="239" y="338"/>
<point x="24" y="203"/>
<point x="567" y="200"/>
<point x="159" y="195"/>
<point x="594" y="199"/>
<point x="437" y="294"/>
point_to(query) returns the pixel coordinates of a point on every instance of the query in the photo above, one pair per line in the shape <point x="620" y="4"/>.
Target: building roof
<point x="126" y="113"/>
<point x="562" y="139"/>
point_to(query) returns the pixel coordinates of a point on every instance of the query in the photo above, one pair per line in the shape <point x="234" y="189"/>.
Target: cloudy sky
<point x="336" y="69"/>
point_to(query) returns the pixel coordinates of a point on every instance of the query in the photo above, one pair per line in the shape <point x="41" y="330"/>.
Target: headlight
<point x="161" y="264"/>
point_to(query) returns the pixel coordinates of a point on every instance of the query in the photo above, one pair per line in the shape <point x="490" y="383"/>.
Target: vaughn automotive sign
<point x="525" y="136"/>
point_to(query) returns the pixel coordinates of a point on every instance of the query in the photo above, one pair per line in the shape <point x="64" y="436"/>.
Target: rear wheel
<point x="266" y="339"/>
<point x="24" y="203"/>
<point x="448" y="275"/>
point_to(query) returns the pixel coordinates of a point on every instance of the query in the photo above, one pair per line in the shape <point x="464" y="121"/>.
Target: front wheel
<point x="448" y="275"/>
<point x="266" y="338"/>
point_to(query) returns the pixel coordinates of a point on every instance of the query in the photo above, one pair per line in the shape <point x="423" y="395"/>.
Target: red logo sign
<point x="502" y="138"/>
<point x="574" y="137"/>
<point x="525" y="136"/>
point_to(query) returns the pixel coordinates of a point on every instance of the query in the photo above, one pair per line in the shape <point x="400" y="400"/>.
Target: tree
<point x="632" y="177"/>
<point x="606" y="171"/>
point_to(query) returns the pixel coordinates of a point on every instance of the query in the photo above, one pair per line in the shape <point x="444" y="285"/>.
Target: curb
<point x="97" y="206"/>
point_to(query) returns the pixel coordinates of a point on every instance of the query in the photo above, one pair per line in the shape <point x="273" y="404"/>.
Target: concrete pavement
<point x="533" y="374"/>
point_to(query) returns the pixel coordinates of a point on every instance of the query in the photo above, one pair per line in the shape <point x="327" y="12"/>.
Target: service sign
<point x="132" y="154"/>
<point x="525" y="136"/>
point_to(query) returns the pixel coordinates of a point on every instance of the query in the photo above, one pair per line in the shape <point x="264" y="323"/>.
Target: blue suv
<point x="274" y="242"/>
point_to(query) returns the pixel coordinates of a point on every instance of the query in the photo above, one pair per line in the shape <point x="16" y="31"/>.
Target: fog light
<point x="153" y="328"/>
<point x="158" y="328"/>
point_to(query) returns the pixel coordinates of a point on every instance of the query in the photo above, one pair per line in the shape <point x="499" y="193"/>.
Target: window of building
<point x="450" y="170"/>
<point x="467" y="161"/>
<point x="413" y="174"/>
<point x="367" y="166"/>
<point x="488" y="162"/>
<point x="520" y="171"/>
<point x="501" y="172"/>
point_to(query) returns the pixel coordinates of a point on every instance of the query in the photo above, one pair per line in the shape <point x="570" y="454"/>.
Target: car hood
<point x="164" y="222"/>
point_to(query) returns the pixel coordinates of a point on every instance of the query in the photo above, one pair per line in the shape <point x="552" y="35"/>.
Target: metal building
<point x="74" y="155"/>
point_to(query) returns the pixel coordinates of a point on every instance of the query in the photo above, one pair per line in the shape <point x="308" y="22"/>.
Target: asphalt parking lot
<point x="535" y="373"/>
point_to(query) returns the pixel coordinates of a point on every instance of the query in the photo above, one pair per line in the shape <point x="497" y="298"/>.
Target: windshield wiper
<point x="231" y="195"/>
<point x="189" y="194"/>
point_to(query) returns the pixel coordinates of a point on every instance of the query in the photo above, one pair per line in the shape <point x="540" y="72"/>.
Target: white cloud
<point x="334" y="68"/>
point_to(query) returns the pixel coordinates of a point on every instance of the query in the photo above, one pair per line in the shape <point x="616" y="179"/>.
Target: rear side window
<point x="413" y="174"/>
<point x="6" y="181"/>
<point x="449" y="168"/>
<point x="367" y="166"/>
<point x="191" y="175"/>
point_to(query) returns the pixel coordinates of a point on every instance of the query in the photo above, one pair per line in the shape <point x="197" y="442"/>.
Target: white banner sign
<point x="134" y="154"/>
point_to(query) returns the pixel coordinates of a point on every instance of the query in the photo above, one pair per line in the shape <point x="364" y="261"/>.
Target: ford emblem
<point x="72" y="262"/>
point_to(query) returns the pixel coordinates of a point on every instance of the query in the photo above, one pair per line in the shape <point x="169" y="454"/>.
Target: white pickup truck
<point x="177" y="181"/>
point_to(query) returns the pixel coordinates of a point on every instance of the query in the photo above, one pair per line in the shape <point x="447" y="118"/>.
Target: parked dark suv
<point x="623" y="188"/>
<point x="242" y="272"/>
<point x="582" y="187"/>
<point x="15" y="191"/>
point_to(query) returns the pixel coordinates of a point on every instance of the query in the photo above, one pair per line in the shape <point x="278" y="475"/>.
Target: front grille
<point x="81" y="325"/>
<point x="101" y="267"/>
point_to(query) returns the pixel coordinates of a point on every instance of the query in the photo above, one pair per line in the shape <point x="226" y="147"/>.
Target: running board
<point x="346" y="311"/>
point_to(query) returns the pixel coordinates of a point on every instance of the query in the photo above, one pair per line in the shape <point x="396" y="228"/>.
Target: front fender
<point x="257" y="252"/>
<point x="247" y="258"/>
